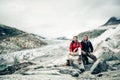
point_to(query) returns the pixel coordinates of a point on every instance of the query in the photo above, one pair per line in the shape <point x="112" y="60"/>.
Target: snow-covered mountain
<point x="113" y="22"/>
<point x="49" y="59"/>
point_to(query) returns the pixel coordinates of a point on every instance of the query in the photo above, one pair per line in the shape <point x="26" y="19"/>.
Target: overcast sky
<point x="52" y="18"/>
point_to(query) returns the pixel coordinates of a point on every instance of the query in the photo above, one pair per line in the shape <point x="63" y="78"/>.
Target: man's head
<point x="75" y="38"/>
<point x="85" y="37"/>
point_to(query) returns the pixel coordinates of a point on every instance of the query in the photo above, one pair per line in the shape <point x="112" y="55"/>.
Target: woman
<point x="75" y="50"/>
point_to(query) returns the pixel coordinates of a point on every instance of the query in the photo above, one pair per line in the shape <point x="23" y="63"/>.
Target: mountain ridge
<point x="12" y="39"/>
<point x="113" y="22"/>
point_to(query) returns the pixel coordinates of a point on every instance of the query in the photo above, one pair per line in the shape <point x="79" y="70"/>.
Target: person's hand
<point x="72" y="53"/>
<point x="83" y="52"/>
<point x="75" y="49"/>
<point x="91" y="53"/>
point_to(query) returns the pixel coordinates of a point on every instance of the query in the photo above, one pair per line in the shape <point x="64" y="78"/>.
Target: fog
<point x="54" y="18"/>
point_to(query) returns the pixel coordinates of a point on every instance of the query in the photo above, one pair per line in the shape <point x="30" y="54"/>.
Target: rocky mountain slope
<point x="12" y="39"/>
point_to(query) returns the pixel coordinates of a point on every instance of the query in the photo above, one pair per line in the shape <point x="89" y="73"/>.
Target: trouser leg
<point x="71" y="58"/>
<point x="85" y="59"/>
<point x="92" y="57"/>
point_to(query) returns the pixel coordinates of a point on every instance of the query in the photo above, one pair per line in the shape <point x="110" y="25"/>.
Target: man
<point x="75" y="50"/>
<point x="87" y="49"/>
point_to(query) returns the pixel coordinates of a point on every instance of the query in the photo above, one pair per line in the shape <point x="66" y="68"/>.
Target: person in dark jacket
<point x="87" y="49"/>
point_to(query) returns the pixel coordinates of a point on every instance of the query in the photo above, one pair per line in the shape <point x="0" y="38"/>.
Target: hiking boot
<point x="79" y="60"/>
<point x="68" y="63"/>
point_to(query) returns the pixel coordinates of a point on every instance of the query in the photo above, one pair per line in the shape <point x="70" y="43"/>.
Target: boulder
<point x="72" y="72"/>
<point x="14" y="68"/>
<point x="113" y="65"/>
<point x="76" y="65"/>
<point x="108" y="54"/>
<point x="99" y="66"/>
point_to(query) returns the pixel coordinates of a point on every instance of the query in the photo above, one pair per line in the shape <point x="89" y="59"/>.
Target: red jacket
<point x="74" y="45"/>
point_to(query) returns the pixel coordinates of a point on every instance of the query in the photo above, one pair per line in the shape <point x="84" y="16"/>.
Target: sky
<point x="56" y="18"/>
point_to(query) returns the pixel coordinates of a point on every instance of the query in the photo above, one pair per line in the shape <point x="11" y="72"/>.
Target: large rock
<point x="99" y="66"/>
<point x="14" y="68"/>
<point x="117" y="55"/>
<point x="108" y="54"/>
<point x="76" y="65"/>
<point x="113" y="65"/>
<point x="72" y="72"/>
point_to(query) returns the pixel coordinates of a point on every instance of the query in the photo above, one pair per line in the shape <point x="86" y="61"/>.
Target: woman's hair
<point x="75" y="36"/>
<point x="77" y="40"/>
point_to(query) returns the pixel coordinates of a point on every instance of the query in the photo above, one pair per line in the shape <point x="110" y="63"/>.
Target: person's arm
<point x="91" y="47"/>
<point x="71" y="47"/>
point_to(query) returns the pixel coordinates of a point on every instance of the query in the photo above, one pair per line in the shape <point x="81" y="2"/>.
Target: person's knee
<point x="93" y="57"/>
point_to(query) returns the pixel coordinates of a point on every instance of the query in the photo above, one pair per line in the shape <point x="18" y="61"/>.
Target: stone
<point x="99" y="66"/>
<point x="76" y="65"/>
<point x="113" y="65"/>
<point x="14" y="68"/>
<point x="75" y="74"/>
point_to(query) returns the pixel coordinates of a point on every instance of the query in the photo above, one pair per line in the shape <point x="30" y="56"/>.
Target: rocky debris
<point x="113" y="65"/>
<point x="108" y="54"/>
<point x="72" y="72"/>
<point x="15" y="67"/>
<point x="77" y="69"/>
<point x="117" y="55"/>
<point x="87" y="76"/>
<point x="36" y="77"/>
<point x="78" y="66"/>
<point x="109" y="75"/>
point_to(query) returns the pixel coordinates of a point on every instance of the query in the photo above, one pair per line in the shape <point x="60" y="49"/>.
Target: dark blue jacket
<point x="87" y="46"/>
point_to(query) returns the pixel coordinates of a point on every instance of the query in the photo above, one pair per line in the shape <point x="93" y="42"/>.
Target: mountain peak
<point x="112" y="21"/>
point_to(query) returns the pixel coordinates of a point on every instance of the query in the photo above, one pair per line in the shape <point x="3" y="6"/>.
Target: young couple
<point x="82" y="50"/>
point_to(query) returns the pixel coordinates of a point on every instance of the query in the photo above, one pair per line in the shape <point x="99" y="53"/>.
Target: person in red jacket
<point x="75" y="50"/>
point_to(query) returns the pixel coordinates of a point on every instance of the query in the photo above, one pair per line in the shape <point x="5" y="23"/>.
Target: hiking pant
<point x="75" y="56"/>
<point x="72" y="58"/>
<point x="85" y="57"/>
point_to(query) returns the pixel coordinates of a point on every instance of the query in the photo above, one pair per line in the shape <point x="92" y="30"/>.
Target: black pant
<point x="85" y="57"/>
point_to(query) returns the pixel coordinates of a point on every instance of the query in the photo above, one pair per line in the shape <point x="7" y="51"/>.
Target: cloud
<point x="54" y="18"/>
